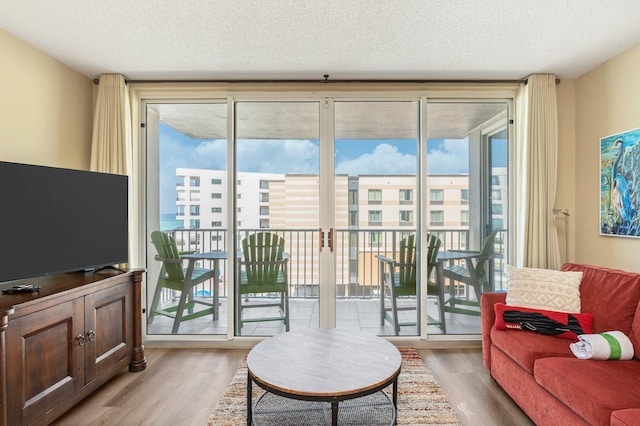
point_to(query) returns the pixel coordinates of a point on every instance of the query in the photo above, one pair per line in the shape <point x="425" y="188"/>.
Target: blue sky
<point x="444" y="156"/>
<point x="302" y="156"/>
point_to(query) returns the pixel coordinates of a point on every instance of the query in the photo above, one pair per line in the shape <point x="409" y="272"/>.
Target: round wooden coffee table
<point x="323" y="365"/>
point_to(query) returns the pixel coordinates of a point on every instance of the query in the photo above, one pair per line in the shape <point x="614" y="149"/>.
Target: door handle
<point x="331" y="239"/>
<point x="329" y="236"/>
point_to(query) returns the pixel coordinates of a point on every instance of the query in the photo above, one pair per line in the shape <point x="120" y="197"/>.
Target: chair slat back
<point x="261" y="252"/>
<point x="407" y="260"/>
<point x="433" y="246"/>
<point x="407" y="269"/>
<point x="485" y="254"/>
<point x="167" y="250"/>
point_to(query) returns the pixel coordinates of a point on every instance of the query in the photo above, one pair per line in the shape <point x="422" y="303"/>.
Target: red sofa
<point x="547" y="381"/>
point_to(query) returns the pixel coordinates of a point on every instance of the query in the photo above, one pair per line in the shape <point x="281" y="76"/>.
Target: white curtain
<point x="111" y="144"/>
<point x="536" y="155"/>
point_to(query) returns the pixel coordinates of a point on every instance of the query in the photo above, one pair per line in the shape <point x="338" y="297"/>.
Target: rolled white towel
<point x="604" y="346"/>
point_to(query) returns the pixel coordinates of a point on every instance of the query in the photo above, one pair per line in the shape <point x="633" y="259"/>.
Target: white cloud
<point x="452" y="156"/>
<point x="385" y="159"/>
<point x="211" y="155"/>
<point x="278" y="156"/>
<point x="300" y="156"/>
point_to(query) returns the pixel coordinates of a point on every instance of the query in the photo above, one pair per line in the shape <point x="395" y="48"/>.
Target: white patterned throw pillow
<point x="544" y="289"/>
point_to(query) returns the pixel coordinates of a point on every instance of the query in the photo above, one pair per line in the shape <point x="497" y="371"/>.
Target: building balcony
<point x="357" y="280"/>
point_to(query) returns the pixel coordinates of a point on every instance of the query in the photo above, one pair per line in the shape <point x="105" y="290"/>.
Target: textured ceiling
<point x="300" y="39"/>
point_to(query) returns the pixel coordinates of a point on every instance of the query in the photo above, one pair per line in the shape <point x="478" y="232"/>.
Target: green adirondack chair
<point x="175" y="276"/>
<point x="263" y="271"/>
<point x="400" y="280"/>
<point x="475" y="273"/>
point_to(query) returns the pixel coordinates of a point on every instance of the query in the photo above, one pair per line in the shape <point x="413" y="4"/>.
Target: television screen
<point x="60" y="220"/>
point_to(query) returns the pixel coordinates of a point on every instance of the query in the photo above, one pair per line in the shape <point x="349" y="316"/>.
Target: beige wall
<point x="46" y="118"/>
<point x="46" y="108"/>
<point x="607" y="102"/>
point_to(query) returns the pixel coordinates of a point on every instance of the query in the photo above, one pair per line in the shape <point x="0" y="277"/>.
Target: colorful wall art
<point x="620" y="184"/>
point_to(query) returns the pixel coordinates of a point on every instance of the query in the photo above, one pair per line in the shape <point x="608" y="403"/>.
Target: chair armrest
<point x="465" y="251"/>
<point x="487" y="319"/>
<point x="263" y="262"/>
<point x="165" y="260"/>
<point x="385" y="259"/>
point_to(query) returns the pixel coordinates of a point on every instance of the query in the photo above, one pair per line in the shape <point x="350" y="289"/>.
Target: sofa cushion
<point x="542" y="407"/>
<point x="593" y="389"/>
<point x="544" y="289"/>
<point x="525" y="347"/>
<point x="610" y="295"/>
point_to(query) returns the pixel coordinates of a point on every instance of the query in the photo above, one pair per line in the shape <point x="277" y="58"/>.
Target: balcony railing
<point x="356" y="262"/>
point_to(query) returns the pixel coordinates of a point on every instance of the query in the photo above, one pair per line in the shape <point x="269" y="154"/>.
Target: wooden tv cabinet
<point x="61" y="343"/>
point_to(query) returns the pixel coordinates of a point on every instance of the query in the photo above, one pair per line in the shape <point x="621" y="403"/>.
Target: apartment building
<point x="290" y="201"/>
<point x="372" y="214"/>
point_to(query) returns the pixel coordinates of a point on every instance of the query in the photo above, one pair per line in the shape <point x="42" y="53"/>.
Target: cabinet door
<point x="46" y="361"/>
<point x="109" y="329"/>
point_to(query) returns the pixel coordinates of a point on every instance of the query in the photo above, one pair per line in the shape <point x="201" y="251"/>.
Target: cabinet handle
<point x="91" y="335"/>
<point x="80" y="339"/>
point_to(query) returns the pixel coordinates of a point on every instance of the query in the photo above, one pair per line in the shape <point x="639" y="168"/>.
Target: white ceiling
<point x="347" y="39"/>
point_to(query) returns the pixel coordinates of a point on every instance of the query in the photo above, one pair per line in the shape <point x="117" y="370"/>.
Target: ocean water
<point x="168" y="221"/>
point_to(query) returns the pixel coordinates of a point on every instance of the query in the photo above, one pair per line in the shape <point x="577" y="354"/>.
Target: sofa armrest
<point x="488" y="318"/>
<point x="625" y="417"/>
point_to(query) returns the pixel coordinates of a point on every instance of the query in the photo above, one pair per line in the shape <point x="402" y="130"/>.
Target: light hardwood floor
<point x="476" y="397"/>
<point x="181" y="387"/>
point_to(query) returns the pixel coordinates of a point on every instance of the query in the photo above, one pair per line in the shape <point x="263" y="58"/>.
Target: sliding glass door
<point x="187" y="199"/>
<point x="467" y="187"/>
<point x="349" y="186"/>
<point x="376" y="208"/>
<point x="277" y="193"/>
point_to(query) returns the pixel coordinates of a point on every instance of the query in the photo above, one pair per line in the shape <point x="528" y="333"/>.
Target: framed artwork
<point x="620" y="184"/>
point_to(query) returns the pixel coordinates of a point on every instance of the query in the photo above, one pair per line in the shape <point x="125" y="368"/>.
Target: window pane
<point x="406" y="217"/>
<point x="406" y="196"/>
<point x="277" y="160"/>
<point x="375" y="217"/>
<point x="436" y="196"/>
<point x="464" y="196"/>
<point x="375" y="196"/>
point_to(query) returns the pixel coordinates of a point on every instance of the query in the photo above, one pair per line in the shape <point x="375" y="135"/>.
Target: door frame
<point x="205" y="92"/>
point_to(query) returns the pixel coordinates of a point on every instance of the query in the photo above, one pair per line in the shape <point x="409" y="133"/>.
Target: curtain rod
<point x="326" y="80"/>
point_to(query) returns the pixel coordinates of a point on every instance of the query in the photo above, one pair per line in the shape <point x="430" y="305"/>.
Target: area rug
<point x="420" y="399"/>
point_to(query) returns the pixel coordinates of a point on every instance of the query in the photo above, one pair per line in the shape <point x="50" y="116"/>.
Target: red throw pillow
<point x="558" y="324"/>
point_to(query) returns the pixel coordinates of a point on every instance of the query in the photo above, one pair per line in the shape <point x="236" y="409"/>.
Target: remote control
<point x="23" y="288"/>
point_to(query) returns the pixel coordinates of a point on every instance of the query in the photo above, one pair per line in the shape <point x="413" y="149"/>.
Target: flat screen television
<point x="60" y="220"/>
